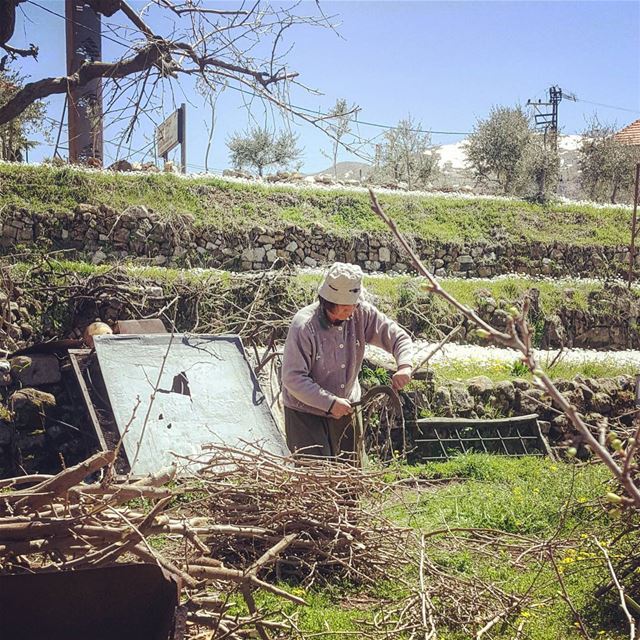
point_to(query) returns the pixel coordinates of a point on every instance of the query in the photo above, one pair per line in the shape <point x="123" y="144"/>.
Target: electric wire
<point x="122" y="43"/>
<point x="357" y="138"/>
<point x="608" y="106"/>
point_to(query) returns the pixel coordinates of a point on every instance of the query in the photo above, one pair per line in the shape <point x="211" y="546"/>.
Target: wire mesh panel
<point x="441" y="438"/>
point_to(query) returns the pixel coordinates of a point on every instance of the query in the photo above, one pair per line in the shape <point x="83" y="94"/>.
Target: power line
<point x="59" y="15"/>
<point x="363" y="122"/>
<point x="608" y="106"/>
<point x="252" y="93"/>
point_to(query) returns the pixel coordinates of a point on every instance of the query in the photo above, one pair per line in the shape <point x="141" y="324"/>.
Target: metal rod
<point x="183" y="138"/>
<point x="634" y="226"/>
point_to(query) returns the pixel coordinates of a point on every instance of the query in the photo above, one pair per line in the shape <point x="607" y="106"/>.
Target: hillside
<point x="232" y="204"/>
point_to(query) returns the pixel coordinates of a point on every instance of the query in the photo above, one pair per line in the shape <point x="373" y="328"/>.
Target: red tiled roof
<point x="630" y="134"/>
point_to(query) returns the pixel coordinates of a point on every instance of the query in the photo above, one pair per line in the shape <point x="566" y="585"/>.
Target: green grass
<point x="389" y="292"/>
<point x="232" y="205"/>
<point x="526" y="496"/>
<point x="497" y="370"/>
<point x="534" y="497"/>
<point x="516" y="495"/>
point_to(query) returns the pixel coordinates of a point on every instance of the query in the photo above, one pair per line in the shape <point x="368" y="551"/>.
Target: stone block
<point x="36" y="370"/>
<point x="30" y="407"/>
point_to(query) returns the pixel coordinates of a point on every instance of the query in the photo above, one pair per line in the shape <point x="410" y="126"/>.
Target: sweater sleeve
<point x="383" y="332"/>
<point x="296" y="371"/>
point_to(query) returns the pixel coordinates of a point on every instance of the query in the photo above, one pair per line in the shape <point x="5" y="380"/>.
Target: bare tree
<point x="339" y="125"/>
<point x="219" y="47"/>
<point x="406" y="155"/>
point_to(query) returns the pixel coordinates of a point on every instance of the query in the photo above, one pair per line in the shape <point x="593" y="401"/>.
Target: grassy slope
<point x="230" y="204"/>
<point x="391" y="293"/>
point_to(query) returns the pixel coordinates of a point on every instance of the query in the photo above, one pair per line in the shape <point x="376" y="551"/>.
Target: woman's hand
<point x="401" y="377"/>
<point x="341" y="408"/>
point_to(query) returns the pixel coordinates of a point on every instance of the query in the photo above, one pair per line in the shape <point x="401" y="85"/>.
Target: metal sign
<point x="168" y="134"/>
<point x="171" y="394"/>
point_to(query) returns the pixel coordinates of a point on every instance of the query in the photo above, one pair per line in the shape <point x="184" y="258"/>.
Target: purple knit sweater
<point x="322" y="361"/>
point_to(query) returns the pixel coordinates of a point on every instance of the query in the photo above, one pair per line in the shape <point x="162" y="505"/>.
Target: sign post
<point x="171" y="133"/>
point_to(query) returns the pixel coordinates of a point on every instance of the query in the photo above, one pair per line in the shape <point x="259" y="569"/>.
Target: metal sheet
<point x="191" y="389"/>
<point x="167" y="136"/>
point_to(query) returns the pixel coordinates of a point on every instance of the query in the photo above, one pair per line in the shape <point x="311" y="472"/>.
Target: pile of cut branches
<point x="63" y="523"/>
<point x="334" y="511"/>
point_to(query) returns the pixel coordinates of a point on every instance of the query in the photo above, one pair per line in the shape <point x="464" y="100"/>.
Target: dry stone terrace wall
<point x="605" y="402"/>
<point x="100" y="234"/>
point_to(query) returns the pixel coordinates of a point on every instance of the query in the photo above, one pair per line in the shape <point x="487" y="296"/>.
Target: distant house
<point x="629" y="135"/>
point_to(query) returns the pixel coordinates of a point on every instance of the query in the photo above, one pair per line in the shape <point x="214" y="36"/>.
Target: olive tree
<point x="262" y="148"/>
<point x="538" y="170"/>
<point x="14" y="135"/>
<point x="606" y="165"/>
<point x="496" y="148"/>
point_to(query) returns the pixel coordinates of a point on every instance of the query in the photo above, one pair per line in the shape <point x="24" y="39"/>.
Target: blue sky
<point x="445" y="63"/>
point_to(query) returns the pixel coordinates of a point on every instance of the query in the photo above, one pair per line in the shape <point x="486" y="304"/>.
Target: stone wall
<point x="100" y="234"/>
<point x="603" y="402"/>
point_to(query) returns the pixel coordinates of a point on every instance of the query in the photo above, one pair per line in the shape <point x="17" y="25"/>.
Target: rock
<point x="461" y="400"/>
<point x="442" y="401"/>
<point x="30" y="407"/>
<point x="384" y="255"/>
<point x="137" y="211"/>
<point x="98" y="257"/>
<point x="505" y="395"/>
<point x="601" y="403"/>
<point x="120" y="165"/>
<point x="564" y="386"/>
<point x="532" y="401"/>
<point x="521" y="383"/>
<point x="480" y="386"/>
<point x="84" y="208"/>
<point x="36" y="370"/>
<point x="6" y="434"/>
<point x="554" y="335"/>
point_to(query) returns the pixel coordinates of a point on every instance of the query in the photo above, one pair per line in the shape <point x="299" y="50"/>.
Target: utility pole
<point x="546" y="115"/>
<point x="546" y="120"/>
<point x="84" y="44"/>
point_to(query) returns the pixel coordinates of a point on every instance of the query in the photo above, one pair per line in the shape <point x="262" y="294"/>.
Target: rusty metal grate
<point x="433" y="439"/>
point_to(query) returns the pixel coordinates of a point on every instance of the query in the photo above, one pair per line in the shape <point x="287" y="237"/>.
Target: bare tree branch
<point x="146" y="58"/>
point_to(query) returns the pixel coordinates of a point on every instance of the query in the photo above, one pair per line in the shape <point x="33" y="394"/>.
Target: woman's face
<point x="341" y="312"/>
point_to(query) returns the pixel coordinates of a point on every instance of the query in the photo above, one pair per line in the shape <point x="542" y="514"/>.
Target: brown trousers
<point x="320" y="436"/>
